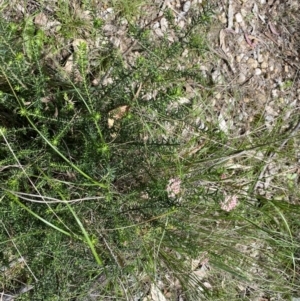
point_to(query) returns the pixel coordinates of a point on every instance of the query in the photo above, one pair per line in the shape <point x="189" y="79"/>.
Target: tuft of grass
<point x="128" y="9"/>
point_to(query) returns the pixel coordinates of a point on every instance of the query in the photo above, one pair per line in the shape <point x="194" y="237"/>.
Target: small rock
<point x="95" y="82"/>
<point x="109" y="29"/>
<point x="218" y="95"/>
<point x="216" y="77"/>
<point x="204" y="68"/>
<point x="257" y="71"/>
<point x="107" y="81"/>
<point x="244" y="12"/>
<point x="222" y="18"/>
<point x="241" y="78"/>
<point x="124" y="22"/>
<point x="163" y="24"/>
<point x="106" y="14"/>
<point x="155" y="25"/>
<point x="177" y="4"/>
<point x="274" y="93"/>
<point x="239" y="18"/>
<point x="115" y="41"/>
<point x="239" y="57"/>
<point x="185" y="53"/>
<point x="260" y="58"/>
<point x="264" y="65"/>
<point x="269" y="118"/>
<point x="181" y="24"/>
<point x="245" y="58"/>
<point x="186" y="6"/>
<point x="252" y="63"/>
<point x="286" y="68"/>
<point x="158" y="32"/>
<point x="183" y="101"/>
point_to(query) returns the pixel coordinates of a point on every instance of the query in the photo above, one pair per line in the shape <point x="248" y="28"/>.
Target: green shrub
<point x="106" y="184"/>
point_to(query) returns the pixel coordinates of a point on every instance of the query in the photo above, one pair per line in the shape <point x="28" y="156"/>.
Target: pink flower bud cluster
<point x="173" y="187"/>
<point x="229" y="203"/>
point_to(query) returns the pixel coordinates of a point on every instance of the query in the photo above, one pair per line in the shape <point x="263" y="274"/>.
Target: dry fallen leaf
<point x="156" y="294"/>
<point x="273" y="29"/>
<point x="117" y="114"/>
<point x="41" y="20"/>
<point x="69" y="65"/>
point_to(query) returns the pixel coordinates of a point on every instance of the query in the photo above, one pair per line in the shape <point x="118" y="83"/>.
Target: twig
<point x="48" y="200"/>
<point x="8" y="166"/>
<point x="230" y="15"/>
<point x="24" y="289"/>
